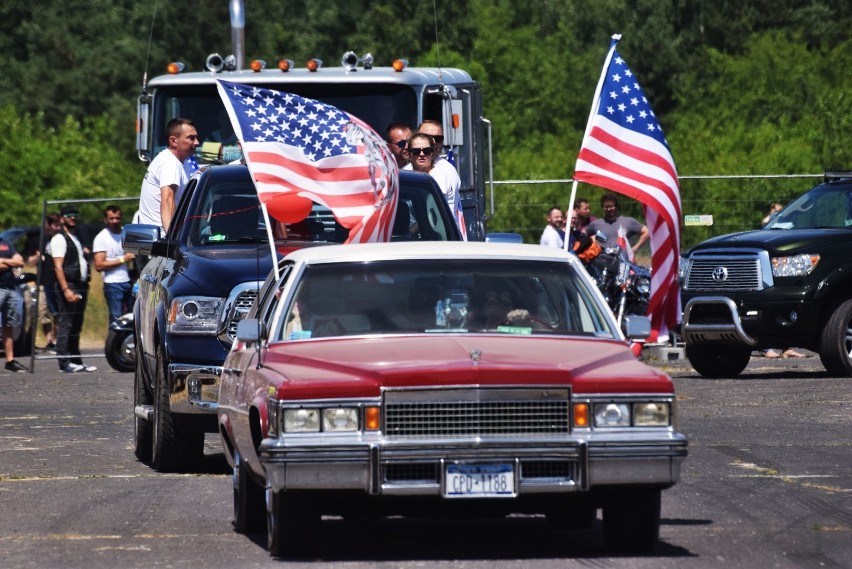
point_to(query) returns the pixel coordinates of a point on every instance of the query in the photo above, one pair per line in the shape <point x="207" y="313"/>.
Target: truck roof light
<point x="285" y="65"/>
<point x="367" y="60"/>
<point x="257" y="65"/>
<point x="175" y="67"/>
<point x="313" y="64"/>
<point x="349" y="61"/>
<point x="399" y="65"/>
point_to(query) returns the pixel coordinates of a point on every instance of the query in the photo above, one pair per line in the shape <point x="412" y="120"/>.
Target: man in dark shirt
<point x="10" y="260"/>
<point x="610" y="223"/>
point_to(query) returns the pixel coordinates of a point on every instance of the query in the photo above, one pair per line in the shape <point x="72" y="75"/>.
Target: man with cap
<point x="72" y="291"/>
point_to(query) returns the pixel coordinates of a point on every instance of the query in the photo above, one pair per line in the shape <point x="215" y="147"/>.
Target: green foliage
<point x="74" y="161"/>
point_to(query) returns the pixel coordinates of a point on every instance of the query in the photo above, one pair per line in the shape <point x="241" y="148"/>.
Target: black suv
<point x="789" y="284"/>
<point x="202" y="278"/>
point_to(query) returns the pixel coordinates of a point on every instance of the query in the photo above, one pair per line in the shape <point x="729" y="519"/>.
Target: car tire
<point x="143" y="431"/>
<point x="292" y="524"/>
<point x="718" y="360"/>
<point x="117" y="350"/>
<point x="631" y="521"/>
<point x="836" y="342"/>
<point x="172" y="450"/>
<point x="249" y="509"/>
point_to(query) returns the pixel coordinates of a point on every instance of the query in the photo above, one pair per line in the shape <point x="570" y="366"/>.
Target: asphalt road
<point x="768" y="483"/>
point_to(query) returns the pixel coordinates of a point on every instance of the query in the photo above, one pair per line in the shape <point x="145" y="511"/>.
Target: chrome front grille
<point x="476" y="412"/>
<point x="720" y="273"/>
<point x="238" y="306"/>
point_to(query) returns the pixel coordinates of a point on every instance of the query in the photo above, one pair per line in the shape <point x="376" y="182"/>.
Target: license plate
<point x="479" y="481"/>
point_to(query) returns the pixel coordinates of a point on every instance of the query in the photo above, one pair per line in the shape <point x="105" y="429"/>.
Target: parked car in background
<point x="443" y="379"/>
<point x="201" y="279"/>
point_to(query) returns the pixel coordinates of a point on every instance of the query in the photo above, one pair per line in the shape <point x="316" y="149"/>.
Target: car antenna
<point x="437" y="44"/>
<point x="148" y="54"/>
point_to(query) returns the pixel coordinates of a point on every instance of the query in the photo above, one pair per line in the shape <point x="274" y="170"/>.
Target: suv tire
<point x="836" y="342"/>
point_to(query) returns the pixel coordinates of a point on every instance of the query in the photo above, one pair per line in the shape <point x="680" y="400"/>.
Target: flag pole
<point x="271" y="238"/>
<point x="596" y="101"/>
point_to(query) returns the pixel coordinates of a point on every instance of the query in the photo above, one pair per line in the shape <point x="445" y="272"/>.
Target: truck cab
<point x="379" y="96"/>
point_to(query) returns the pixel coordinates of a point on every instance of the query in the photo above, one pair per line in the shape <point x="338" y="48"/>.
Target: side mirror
<point x="504" y="238"/>
<point x="601" y="237"/>
<point x="139" y="237"/>
<point x="636" y="327"/>
<point x="249" y="330"/>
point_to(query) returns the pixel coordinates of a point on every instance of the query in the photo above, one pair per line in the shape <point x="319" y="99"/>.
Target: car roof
<point x="429" y="250"/>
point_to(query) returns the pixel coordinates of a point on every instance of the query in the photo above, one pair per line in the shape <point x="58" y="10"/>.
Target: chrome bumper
<point x="195" y="389"/>
<point x="730" y="331"/>
<point x="385" y="467"/>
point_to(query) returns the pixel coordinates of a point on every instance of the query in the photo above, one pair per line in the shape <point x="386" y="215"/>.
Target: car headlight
<point x="301" y="420"/>
<point x="339" y="420"/>
<point x="794" y="266"/>
<point x="195" y="315"/>
<point x="682" y="267"/>
<point x="651" y="414"/>
<point x="612" y="415"/>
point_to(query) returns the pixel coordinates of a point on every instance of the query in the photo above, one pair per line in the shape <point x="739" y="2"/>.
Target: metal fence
<point x="712" y="205"/>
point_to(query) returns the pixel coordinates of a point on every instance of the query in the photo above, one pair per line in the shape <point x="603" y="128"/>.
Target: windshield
<point x="376" y="104"/>
<point x="440" y="296"/>
<point x="822" y="207"/>
<point x="229" y="212"/>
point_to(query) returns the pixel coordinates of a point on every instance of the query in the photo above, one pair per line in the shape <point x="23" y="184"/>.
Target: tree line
<point x="740" y="87"/>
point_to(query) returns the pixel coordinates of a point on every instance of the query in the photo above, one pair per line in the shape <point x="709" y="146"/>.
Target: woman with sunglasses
<point x="421" y="150"/>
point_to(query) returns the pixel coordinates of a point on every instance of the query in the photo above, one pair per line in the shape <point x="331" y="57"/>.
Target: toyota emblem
<point x="720" y="274"/>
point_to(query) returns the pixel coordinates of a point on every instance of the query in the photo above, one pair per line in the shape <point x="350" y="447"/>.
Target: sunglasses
<point x="71" y="215"/>
<point x="438" y="138"/>
<point x="418" y="151"/>
<point x="401" y="144"/>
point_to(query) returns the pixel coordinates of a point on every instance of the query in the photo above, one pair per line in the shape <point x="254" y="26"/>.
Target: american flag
<point x="305" y="148"/>
<point x="624" y="150"/>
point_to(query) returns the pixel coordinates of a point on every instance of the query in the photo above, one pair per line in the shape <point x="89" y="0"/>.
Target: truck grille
<point x="238" y="310"/>
<point x="471" y="413"/>
<point x="724" y="273"/>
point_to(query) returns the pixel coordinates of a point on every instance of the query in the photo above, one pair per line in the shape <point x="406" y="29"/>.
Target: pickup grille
<point x="239" y="309"/>
<point x="471" y="413"/>
<point x="724" y="273"/>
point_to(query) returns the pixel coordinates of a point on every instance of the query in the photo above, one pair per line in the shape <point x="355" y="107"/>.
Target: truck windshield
<point x="378" y="105"/>
<point x="824" y="206"/>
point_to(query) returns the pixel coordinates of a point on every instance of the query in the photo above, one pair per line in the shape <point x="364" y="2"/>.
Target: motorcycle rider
<point x="611" y="221"/>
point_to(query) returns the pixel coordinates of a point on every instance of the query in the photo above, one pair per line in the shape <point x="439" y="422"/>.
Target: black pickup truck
<point x="789" y="284"/>
<point x="202" y="278"/>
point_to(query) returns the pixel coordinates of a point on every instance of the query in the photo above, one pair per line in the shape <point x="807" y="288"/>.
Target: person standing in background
<point x="111" y="259"/>
<point x="72" y="291"/>
<point x="10" y="260"/>
<point x="397" y="136"/>
<point x="550" y="237"/>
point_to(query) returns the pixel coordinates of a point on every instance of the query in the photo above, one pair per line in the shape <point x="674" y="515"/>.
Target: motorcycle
<point x="120" y="346"/>
<point x="625" y="285"/>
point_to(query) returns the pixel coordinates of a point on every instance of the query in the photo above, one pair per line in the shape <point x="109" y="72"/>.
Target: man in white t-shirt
<point x="553" y="236"/>
<point x="166" y="177"/>
<point x="111" y="260"/>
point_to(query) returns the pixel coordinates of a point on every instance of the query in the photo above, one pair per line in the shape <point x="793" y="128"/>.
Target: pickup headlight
<point x="195" y="315"/>
<point x="794" y="266"/>
<point x="314" y="420"/>
<point x="612" y="415"/>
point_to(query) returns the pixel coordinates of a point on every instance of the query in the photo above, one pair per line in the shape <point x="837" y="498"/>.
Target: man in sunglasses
<point x="444" y="172"/>
<point x="72" y="291"/>
<point x="397" y="136"/>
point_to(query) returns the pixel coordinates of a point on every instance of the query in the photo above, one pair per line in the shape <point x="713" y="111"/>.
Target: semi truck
<point x="377" y="94"/>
